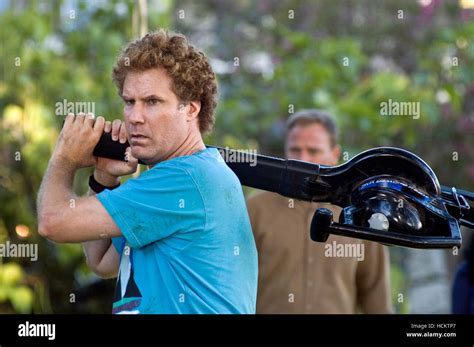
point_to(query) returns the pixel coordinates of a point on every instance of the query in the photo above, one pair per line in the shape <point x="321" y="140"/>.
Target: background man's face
<point x="155" y="125"/>
<point x="312" y="143"/>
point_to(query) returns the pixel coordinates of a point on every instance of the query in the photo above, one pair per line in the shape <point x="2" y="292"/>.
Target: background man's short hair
<point x="311" y="116"/>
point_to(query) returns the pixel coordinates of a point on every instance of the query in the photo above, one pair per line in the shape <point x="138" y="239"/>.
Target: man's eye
<point x="152" y="101"/>
<point x="129" y="102"/>
<point x="313" y="151"/>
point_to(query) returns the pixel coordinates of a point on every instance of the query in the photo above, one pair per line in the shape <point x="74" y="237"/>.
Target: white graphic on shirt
<point x="129" y="312"/>
<point x="125" y="267"/>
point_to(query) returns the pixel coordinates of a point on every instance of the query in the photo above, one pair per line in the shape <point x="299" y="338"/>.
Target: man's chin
<point x="141" y="154"/>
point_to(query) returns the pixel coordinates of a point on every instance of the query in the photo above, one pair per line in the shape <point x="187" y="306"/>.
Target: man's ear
<point x="192" y="110"/>
<point x="336" y="151"/>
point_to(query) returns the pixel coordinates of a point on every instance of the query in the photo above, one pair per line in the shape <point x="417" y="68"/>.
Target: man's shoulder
<point x="260" y="196"/>
<point x="206" y="160"/>
<point x="191" y="165"/>
<point x="267" y="200"/>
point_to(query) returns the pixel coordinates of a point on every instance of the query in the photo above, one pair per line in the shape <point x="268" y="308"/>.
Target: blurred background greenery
<point x="272" y="58"/>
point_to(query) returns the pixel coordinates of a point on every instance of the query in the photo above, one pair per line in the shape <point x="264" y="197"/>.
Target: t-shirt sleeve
<point x="119" y="243"/>
<point x="162" y="201"/>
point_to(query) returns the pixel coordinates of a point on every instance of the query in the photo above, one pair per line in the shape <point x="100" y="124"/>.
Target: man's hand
<point x="79" y="136"/>
<point x="107" y="171"/>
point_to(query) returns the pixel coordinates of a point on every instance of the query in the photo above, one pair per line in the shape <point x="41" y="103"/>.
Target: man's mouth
<point x="137" y="138"/>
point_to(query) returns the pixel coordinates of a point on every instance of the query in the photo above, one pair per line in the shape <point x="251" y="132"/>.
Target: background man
<point x="296" y="274"/>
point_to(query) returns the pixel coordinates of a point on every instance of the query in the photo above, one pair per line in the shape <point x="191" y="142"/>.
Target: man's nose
<point x="305" y="156"/>
<point x="135" y="114"/>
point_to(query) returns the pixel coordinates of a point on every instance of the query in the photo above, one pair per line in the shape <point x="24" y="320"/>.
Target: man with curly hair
<point x="178" y="236"/>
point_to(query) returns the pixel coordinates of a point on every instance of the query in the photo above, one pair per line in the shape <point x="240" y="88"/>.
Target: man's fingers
<point x="89" y="120"/>
<point x="69" y="119"/>
<point x="108" y="126"/>
<point x="99" y="124"/>
<point x="80" y="117"/>
<point x="129" y="157"/>
<point x="123" y="133"/>
<point x="116" y="129"/>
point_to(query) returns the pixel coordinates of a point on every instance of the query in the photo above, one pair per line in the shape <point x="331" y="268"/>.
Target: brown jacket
<point x="298" y="275"/>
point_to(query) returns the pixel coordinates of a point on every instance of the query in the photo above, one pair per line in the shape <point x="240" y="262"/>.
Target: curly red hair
<point x="192" y="75"/>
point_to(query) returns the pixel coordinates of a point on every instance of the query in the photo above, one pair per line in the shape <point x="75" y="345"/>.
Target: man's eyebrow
<point x="148" y="97"/>
<point x="153" y="96"/>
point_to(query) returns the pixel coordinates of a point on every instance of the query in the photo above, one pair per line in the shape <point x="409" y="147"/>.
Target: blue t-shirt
<point x="187" y="244"/>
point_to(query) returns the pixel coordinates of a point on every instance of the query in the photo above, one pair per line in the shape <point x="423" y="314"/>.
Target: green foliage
<point x="14" y="294"/>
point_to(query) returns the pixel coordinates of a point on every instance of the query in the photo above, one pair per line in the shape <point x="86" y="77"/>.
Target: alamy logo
<point x="238" y="156"/>
<point x="37" y="330"/>
<point x="345" y="250"/>
<point x="400" y="108"/>
<point x="22" y="250"/>
<point x="64" y="107"/>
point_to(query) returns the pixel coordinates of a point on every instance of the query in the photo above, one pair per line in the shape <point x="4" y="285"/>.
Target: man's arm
<point x="101" y="255"/>
<point x="102" y="258"/>
<point x="62" y="216"/>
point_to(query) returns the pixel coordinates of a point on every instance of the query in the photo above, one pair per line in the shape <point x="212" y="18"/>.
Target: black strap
<point x="97" y="187"/>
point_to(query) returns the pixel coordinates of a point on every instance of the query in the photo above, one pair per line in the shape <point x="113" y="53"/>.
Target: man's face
<point x="312" y="143"/>
<point x="157" y="125"/>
